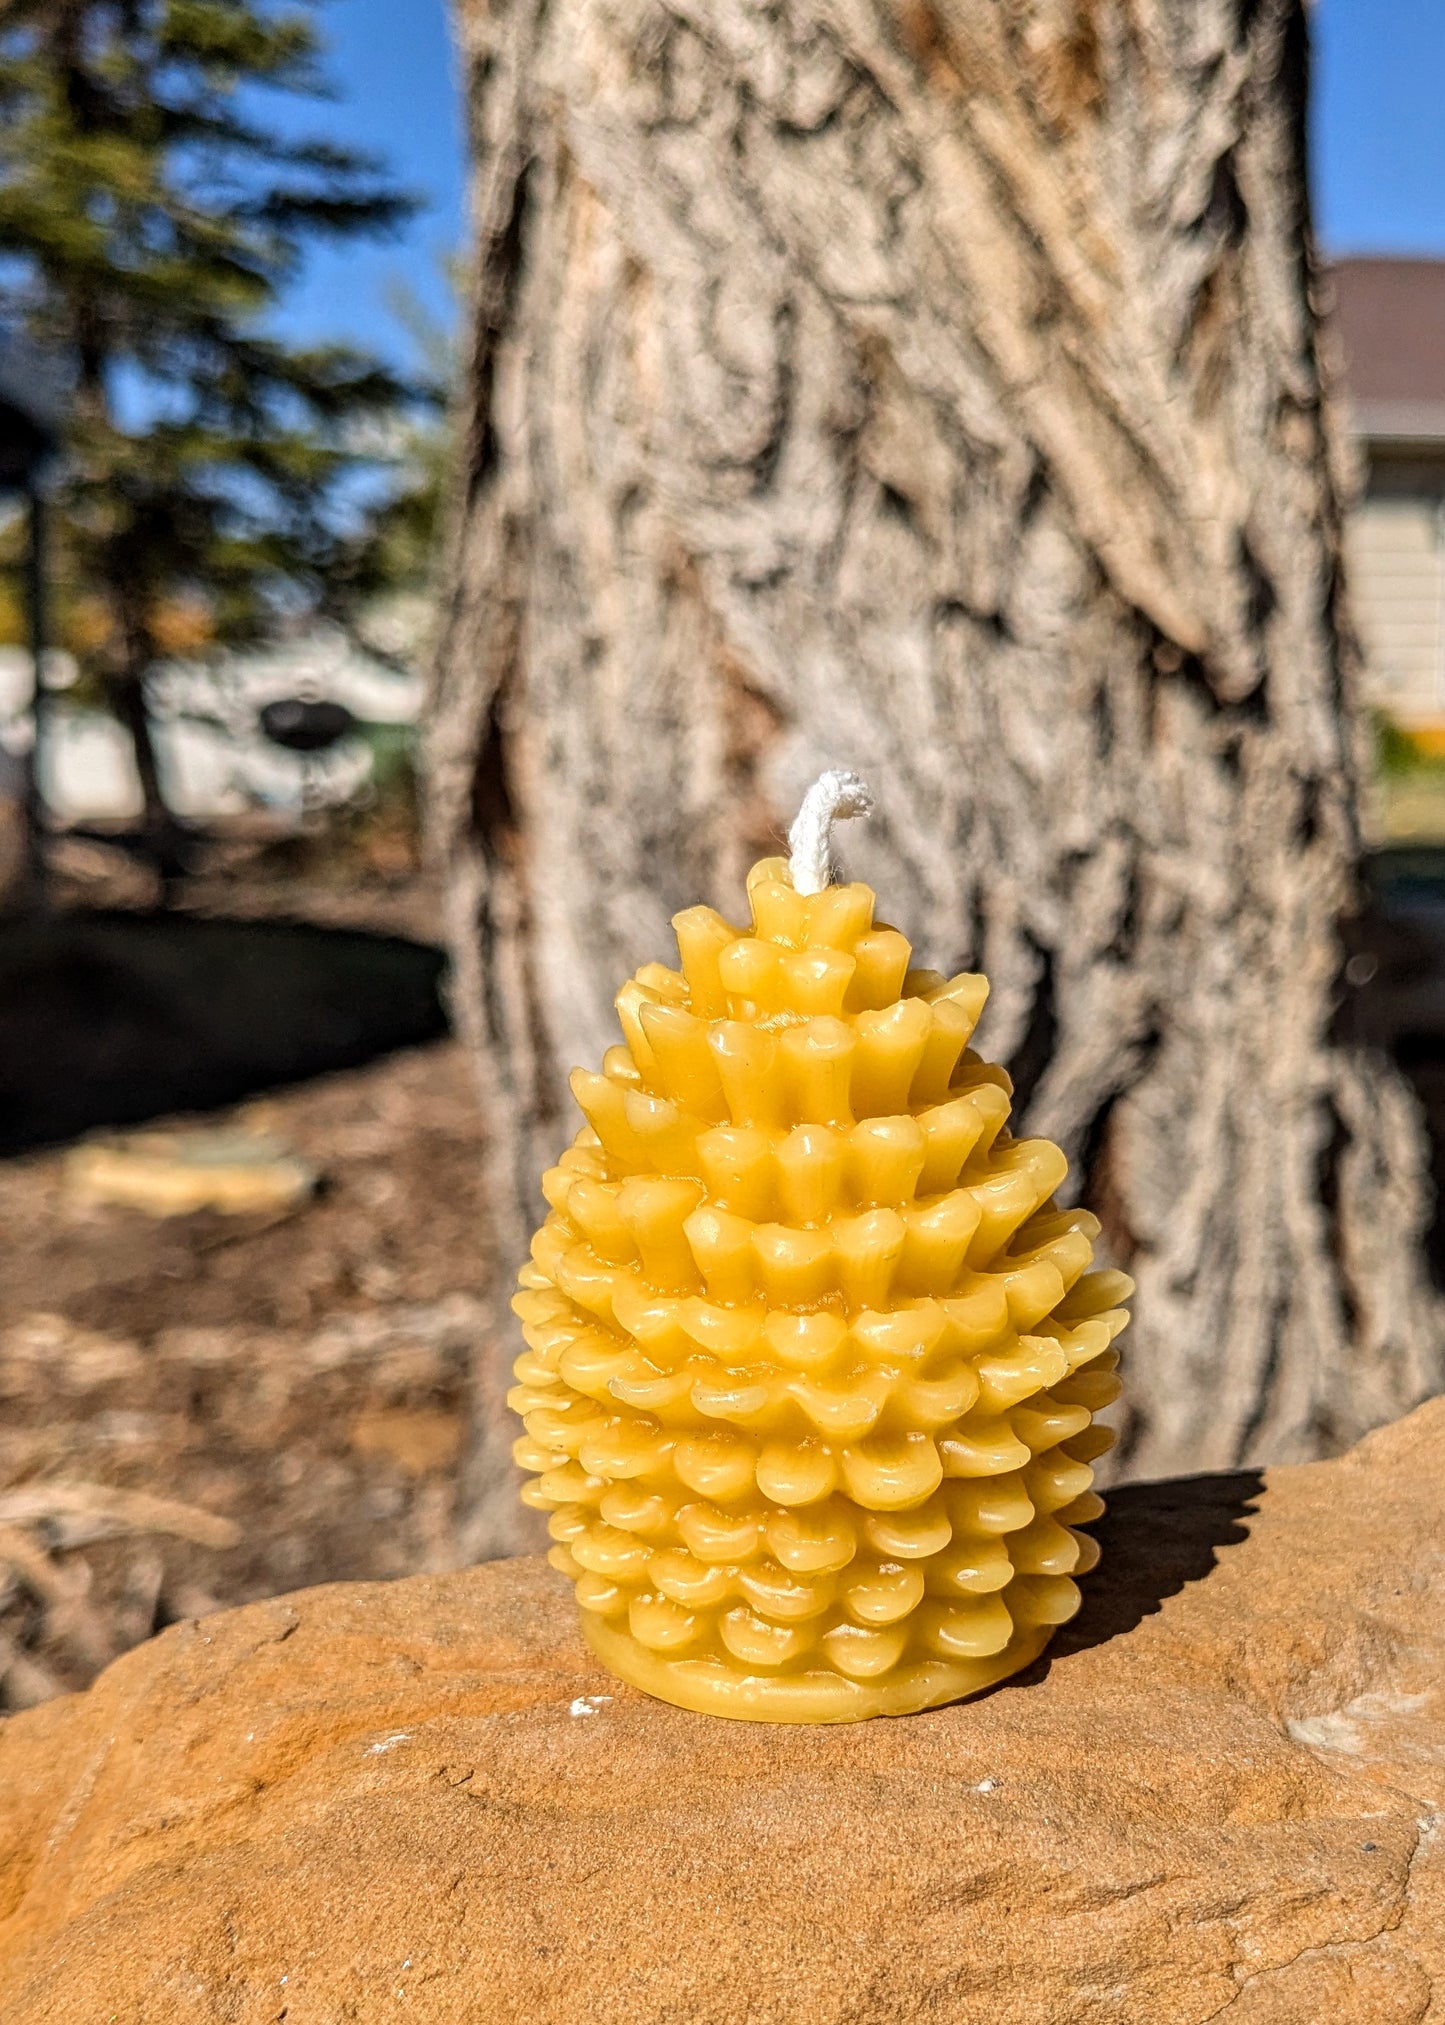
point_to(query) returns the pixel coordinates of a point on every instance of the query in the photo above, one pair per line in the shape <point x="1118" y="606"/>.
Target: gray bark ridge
<point x="935" y="389"/>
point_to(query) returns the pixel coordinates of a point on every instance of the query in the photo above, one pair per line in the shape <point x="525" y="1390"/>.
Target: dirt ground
<point x="203" y="1410"/>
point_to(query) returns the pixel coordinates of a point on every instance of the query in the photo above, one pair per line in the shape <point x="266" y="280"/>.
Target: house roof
<point x="1391" y="315"/>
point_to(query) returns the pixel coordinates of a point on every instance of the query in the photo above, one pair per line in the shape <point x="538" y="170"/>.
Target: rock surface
<point x="1221" y="1793"/>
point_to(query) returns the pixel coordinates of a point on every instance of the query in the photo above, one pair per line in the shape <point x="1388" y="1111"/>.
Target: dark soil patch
<point x="111" y="1018"/>
<point x="1394" y="995"/>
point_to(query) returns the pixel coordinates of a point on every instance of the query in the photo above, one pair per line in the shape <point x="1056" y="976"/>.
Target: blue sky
<point x="397" y="94"/>
<point x="1379" y="125"/>
<point x="1379" y="145"/>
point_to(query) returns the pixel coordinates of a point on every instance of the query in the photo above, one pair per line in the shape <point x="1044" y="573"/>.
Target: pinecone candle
<point x="812" y="1356"/>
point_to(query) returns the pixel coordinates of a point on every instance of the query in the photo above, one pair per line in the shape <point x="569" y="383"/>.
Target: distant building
<point x="214" y="760"/>
<point x="1392" y="323"/>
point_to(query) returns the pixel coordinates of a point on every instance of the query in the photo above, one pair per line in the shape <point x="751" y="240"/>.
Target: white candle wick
<point x="832" y="796"/>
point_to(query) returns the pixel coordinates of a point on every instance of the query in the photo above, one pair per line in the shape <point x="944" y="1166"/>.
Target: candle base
<point x="712" y="1687"/>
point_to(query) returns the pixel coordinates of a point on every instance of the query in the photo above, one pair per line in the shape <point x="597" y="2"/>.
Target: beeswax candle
<point x="813" y="1358"/>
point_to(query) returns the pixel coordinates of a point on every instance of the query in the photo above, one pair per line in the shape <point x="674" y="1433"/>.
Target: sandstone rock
<point x="1219" y="1793"/>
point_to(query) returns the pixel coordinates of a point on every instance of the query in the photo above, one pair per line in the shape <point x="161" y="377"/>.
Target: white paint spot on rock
<point x="588" y="1705"/>
<point x="1334" y="1732"/>
<point x="1346" y="1730"/>
<point x="388" y="1743"/>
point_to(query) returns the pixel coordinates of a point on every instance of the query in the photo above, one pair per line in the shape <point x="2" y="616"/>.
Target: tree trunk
<point x="24" y="818"/>
<point x="163" y="837"/>
<point x="934" y="389"/>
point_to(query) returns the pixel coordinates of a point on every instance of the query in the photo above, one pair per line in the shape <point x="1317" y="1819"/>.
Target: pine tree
<point x="149" y="222"/>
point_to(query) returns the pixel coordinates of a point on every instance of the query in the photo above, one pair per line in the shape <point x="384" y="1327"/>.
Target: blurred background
<point x="242" y="1158"/>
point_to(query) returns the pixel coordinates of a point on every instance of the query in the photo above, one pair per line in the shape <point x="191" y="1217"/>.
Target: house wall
<point x="1395" y="544"/>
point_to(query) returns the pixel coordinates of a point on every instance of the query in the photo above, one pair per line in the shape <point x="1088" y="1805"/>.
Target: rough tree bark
<point x="933" y="387"/>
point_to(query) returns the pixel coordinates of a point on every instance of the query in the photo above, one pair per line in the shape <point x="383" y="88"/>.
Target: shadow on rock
<point x="1156" y="1539"/>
